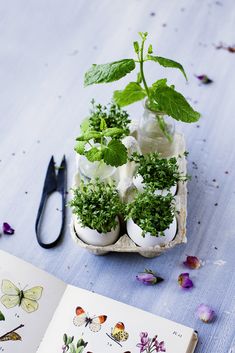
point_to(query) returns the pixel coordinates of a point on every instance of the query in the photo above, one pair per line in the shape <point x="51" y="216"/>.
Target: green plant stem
<point x="163" y="127"/>
<point x="142" y="67"/>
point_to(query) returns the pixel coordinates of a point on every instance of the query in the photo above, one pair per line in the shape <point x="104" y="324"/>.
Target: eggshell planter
<point x="148" y="240"/>
<point x="93" y="237"/>
<point x="139" y="184"/>
<point x="124" y="243"/>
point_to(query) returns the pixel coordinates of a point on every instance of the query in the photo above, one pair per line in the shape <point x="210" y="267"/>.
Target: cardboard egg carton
<point x="124" y="243"/>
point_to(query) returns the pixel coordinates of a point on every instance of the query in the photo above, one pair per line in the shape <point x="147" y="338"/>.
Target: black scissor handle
<point x="52" y="183"/>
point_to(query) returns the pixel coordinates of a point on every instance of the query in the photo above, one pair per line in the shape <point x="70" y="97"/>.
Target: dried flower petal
<point x="184" y="281"/>
<point x="7" y="229"/>
<point x="205" y="313"/>
<point x="148" y="277"/>
<point x="192" y="262"/>
<point x="229" y="48"/>
<point x="204" y="79"/>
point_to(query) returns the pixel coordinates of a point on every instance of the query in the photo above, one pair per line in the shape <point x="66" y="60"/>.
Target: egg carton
<point x="125" y="243"/>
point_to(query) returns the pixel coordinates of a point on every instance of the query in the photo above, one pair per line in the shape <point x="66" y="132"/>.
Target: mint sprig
<point x="160" y="96"/>
<point x="109" y="72"/>
<point x="101" y="135"/>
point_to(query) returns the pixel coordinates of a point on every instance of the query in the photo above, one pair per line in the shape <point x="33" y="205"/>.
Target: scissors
<point x="52" y="183"/>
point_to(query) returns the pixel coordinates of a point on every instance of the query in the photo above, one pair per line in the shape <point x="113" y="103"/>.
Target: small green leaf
<point x="174" y="104"/>
<point x="72" y="348"/>
<point x="70" y="339"/>
<point x="158" y="83"/>
<point x="113" y="131"/>
<point x="143" y="35"/>
<point x="133" y="92"/>
<point x="103" y="124"/>
<point x="139" y="78"/>
<point x="85" y="125"/>
<point x="136" y="47"/>
<point x="80" y="349"/>
<point x="2" y="317"/>
<point x="115" y="153"/>
<point x="167" y="63"/>
<point x="89" y="135"/>
<point x="150" y="49"/>
<point x="108" y="72"/>
<point x="94" y="154"/>
<point x="80" y="147"/>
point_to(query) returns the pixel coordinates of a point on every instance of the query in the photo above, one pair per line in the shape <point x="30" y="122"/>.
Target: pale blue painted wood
<point x="45" y="48"/>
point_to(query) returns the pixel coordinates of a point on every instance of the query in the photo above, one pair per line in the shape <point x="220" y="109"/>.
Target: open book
<point x="41" y="314"/>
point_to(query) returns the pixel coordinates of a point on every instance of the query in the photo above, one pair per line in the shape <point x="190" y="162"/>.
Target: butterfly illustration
<point x="26" y="299"/>
<point x="82" y="318"/>
<point x="12" y="335"/>
<point x="118" y="333"/>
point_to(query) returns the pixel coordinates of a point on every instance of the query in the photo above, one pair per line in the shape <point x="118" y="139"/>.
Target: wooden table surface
<point x="46" y="46"/>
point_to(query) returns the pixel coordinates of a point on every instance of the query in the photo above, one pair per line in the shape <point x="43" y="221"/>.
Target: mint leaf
<point x="85" y="125"/>
<point x="80" y="147"/>
<point x="115" y="153"/>
<point x="136" y="47"/>
<point x="150" y="49"/>
<point x="103" y="124"/>
<point x="108" y="72"/>
<point x="89" y="135"/>
<point x="158" y="83"/>
<point x="167" y="63"/>
<point x="174" y="104"/>
<point x="133" y="92"/>
<point x="113" y="131"/>
<point x="139" y="78"/>
<point x="2" y="317"/>
<point x="94" y="154"/>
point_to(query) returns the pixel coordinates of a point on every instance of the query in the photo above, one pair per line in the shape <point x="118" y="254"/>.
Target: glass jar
<point x="151" y="137"/>
<point x="98" y="169"/>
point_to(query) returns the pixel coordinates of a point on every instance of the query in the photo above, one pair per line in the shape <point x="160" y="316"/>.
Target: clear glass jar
<point x="92" y="170"/>
<point x="151" y="137"/>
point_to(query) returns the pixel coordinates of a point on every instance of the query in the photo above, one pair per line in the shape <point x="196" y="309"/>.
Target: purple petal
<point x="205" y="313"/>
<point x="204" y="79"/>
<point x="148" y="277"/>
<point x="192" y="262"/>
<point x="184" y="281"/>
<point x="7" y="229"/>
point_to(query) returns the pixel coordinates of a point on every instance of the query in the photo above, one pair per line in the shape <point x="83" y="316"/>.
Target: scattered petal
<point x="205" y="313"/>
<point x="7" y="229"/>
<point x="184" y="281"/>
<point x="148" y="277"/>
<point x="204" y="79"/>
<point x="192" y="262"/>
<point x="229" y="48"/>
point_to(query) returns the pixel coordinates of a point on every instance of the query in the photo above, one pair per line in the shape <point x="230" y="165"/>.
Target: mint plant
<point x="158" y="173"/>
<point x="160" y="96"/>
<point x="101" y="135"/>
<point x="152" y="213"/>
<point x="97" y="205"/>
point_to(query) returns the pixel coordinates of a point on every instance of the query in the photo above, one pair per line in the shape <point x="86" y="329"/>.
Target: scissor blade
<point x="61" y="176"/>
<point x="50" y="179"/>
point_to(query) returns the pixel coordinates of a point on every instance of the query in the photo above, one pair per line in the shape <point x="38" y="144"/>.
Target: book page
<point x="90" y="323"/>
<point x="28" y="299"/>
